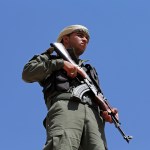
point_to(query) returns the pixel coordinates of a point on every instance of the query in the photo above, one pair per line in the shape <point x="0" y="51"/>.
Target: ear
<point x="65" y="39"/>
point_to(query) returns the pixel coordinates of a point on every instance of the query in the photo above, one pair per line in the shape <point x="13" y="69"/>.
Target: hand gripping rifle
<point x="88" y="85"/>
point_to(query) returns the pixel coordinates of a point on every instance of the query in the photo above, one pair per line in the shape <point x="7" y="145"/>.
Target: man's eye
<point x="80" y="35"/>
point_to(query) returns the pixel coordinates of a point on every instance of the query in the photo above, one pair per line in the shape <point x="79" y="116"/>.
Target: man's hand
<point x="107" y="117"/>
<point x="72" y="70"/>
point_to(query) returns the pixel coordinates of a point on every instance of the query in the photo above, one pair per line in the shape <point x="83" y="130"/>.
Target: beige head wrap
<point x="70" y="29"/>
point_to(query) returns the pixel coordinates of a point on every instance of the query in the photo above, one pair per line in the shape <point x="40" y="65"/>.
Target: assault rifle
<point x="89" y="86"/>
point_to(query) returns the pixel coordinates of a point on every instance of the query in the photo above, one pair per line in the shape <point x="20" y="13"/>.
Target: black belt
<point x="68" y="96"/>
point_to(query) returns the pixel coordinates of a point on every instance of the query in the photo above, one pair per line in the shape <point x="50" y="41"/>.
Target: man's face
<point x="78" y="41"/>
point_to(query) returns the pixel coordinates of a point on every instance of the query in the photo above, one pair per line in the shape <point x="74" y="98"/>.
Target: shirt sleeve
<point x="39" y="67"/>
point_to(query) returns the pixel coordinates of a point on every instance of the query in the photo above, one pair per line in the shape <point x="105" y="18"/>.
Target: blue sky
<point x="119" y="48"/>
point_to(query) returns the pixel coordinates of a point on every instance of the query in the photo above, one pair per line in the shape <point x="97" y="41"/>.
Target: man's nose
<point x="85" y="39"/>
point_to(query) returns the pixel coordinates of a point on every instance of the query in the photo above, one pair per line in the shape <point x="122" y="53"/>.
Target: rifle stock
<point x="101" y="101"/>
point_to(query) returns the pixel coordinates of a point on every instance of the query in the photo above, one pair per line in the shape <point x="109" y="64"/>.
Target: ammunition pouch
<point x="61" y="81"/>
<point x="58" y="82"/>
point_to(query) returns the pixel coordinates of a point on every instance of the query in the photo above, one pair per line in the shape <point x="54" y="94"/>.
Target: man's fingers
<point x="114" y="110"/>
<point x="72" y="70"/>
<point x="106" y="116"/>
<point x="73" y="73"/>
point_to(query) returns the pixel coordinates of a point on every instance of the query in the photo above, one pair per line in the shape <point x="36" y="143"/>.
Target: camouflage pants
<point x="71" y="126"/>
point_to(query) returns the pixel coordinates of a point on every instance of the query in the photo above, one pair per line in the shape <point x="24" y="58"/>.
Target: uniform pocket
<point x="58" y="141"/>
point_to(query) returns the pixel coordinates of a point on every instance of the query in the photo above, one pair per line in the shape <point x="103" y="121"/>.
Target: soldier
<point x="71" y="124"/>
